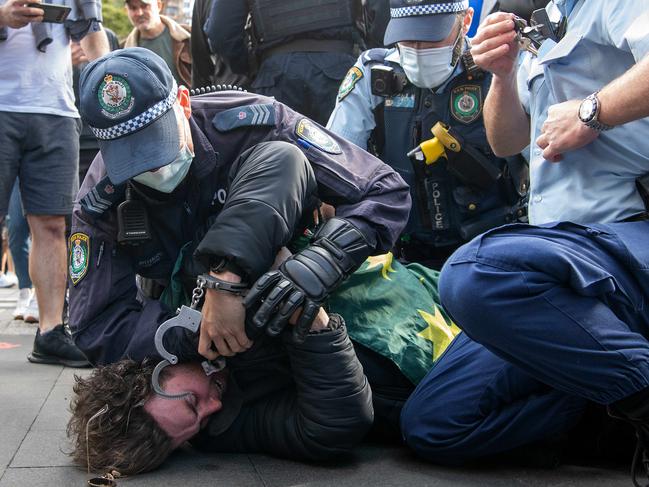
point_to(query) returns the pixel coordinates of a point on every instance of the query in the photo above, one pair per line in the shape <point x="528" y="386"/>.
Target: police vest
<point x="274" y="20"/>
<point x="450" y="205"/>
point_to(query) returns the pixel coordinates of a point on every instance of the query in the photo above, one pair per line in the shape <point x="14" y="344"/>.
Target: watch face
<point x="587" y="110"/>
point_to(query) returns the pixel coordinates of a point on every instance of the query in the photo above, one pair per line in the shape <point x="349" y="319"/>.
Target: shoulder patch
<point x="245" y="116"/>
<point x="376" y="55"/>
<point x="79" y="256"/>
<point x="353" y="76"/>
<point x="313" y="135"/>
<point x="466" y="103"/>
<point x="102" y="197"/>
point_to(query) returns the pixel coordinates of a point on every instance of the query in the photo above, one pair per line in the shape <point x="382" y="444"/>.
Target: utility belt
<point x="310" y="45"/>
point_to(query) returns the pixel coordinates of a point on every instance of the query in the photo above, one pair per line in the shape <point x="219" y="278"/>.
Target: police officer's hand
<point x="563" y="131"/>
<point x="15" y="14"/>
<point x="223" y="323"/>
<point x="494" y="48"/>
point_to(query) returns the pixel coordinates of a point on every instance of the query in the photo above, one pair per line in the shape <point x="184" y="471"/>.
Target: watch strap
<point x="593" y="122"/>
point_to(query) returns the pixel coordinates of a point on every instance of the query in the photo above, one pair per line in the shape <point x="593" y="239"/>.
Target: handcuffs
<point x="189" y="317"/>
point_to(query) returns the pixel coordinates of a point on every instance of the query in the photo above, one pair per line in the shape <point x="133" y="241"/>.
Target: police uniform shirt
<point x="597" y="182"/>
<point x="353" y="115"/>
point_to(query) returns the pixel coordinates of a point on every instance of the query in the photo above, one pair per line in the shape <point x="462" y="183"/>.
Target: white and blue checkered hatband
<point x="436" y="8"/>
<point x="140" y="121"/>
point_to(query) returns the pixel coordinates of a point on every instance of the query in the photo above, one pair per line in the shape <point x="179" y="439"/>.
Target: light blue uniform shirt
<point x="597" y="182"/>
<point x="353" y="118"/>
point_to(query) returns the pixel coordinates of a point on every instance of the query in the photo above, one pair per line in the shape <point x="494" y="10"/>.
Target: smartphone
<point x="53" y="13"/>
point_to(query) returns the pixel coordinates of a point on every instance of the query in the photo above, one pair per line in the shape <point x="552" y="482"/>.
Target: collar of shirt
<point x="205" y="157"/>
<point x="566" y="6"/>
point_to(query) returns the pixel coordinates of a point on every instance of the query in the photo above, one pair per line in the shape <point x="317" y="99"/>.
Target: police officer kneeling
<point x="391" y="101"/>
<point x="216" y="186"/>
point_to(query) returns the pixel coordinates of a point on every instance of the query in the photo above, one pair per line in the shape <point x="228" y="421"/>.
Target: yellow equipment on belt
<point x="431" y="150"/>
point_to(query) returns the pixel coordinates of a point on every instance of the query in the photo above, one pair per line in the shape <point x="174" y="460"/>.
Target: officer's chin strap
<point x="186" y="317"/>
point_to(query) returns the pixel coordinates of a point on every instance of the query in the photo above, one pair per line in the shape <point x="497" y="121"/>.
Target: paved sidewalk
<point x="34" y="411"/>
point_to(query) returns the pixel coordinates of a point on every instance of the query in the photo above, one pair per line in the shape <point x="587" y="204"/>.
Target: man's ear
<point x="184" y="100"/>
<point x="468" y="18"/>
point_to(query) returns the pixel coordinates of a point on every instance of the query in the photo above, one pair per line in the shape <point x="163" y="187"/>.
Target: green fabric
<point x="388" y="307"/>
<point x="163" y="46"/>
<point x="174" y="294"/>
<point x="394" y="310"/>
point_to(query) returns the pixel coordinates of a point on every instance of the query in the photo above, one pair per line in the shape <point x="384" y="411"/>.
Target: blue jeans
<point x="19" y="238"/>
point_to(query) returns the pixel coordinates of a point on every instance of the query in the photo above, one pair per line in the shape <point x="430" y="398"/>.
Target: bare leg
<point x="47" y="267"/>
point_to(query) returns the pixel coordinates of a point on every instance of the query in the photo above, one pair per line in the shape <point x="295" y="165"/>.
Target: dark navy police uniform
<point x="452" y="202"/>
<point x="303" y="51"/>
<point x="560" y="311"/>
<point x="259" y="167"/>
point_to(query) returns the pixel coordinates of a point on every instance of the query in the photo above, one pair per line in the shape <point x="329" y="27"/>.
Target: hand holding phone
<point x="15" y="14"/>
<point x="55" y="14"/>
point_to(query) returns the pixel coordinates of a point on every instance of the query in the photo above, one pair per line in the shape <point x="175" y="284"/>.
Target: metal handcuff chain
<point x="188" y="317"/>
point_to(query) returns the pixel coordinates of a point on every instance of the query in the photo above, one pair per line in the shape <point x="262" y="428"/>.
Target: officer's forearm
<point x="505" y="120"/>
<point x="627" y="98"/>
<point x="95" y="44"/>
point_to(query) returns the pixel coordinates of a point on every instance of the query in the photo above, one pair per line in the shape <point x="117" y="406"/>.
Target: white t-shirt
<point x="32" y="81"/>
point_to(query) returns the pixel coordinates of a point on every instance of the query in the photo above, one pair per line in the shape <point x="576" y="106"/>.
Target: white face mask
<point x="427" y="68"/>
<point x="167" y="178"/>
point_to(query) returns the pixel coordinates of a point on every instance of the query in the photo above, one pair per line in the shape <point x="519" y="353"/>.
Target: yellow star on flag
<point x="385" y="261"/>
<point x="439" y="332"/>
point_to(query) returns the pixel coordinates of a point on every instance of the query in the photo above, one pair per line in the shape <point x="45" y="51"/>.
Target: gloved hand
<point x="306" y="279"/>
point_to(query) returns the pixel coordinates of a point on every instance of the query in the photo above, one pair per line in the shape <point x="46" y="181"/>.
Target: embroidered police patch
<point x="115" y="97"/>
<point x="311" y="133"/>
<point x="352" y="77"/>
<point x="79" y="256"/>
<point x="466" y="103"/>
<point x="245" y="116"/>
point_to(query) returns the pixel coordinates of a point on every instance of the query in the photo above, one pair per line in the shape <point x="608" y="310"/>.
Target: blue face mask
<point x="167" y="178"/>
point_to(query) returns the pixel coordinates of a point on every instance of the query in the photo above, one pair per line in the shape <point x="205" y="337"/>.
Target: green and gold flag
<point x="394" y="310"/>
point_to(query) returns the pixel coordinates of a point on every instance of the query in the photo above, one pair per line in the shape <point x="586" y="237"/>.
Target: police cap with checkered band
<point x="126" y="97"/>
<point x="422" y="20"/>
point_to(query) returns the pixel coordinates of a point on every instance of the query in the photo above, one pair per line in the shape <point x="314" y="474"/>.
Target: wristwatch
<point x="589" y="113"/>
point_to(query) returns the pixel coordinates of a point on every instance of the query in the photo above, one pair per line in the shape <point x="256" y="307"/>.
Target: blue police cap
<point x="126" y="97"/>
<point x="422" y="20"/>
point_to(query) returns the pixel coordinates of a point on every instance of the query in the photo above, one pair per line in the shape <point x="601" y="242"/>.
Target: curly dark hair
<point x="124" y="438"/>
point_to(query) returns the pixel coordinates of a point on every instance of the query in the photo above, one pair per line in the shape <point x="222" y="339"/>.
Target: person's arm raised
<point x="495" y="49"/>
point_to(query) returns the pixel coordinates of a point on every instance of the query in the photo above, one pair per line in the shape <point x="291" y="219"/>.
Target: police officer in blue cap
<point x="390" y="102"/>
<point x="213" y="187"/>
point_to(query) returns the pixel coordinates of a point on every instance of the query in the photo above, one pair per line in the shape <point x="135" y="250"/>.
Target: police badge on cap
<point x="422" y="20"/>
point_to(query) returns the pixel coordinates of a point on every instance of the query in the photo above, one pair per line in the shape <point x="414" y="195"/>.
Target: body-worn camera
<point x="386" y="81"/>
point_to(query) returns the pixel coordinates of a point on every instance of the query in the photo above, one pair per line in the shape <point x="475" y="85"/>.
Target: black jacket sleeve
<point x="225" y="29"/>
<point x="271" y="185"/>
<point x="327" y="413"/>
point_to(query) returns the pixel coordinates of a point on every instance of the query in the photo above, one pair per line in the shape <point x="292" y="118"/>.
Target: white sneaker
<point x="31" y="312"/>
<point x="8" y="280"/>
<point x="24" y="297"/>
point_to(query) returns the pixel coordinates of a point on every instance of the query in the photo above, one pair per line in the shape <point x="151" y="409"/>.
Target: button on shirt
<point x="597" y="182"/>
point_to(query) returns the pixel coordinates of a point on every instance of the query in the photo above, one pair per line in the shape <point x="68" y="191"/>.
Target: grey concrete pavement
<point x="34" y="411"/>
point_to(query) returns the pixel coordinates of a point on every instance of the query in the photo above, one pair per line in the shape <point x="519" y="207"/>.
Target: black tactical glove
<point x="306" y="279"/>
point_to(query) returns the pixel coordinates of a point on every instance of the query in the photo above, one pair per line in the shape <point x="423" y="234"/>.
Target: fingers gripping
<point x="291" y="304"/>
<point x="306" y="320"/>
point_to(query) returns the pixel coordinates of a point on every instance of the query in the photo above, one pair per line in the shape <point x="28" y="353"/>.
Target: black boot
<point x="55" y="346"/>
<point x="635" y="411"/>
